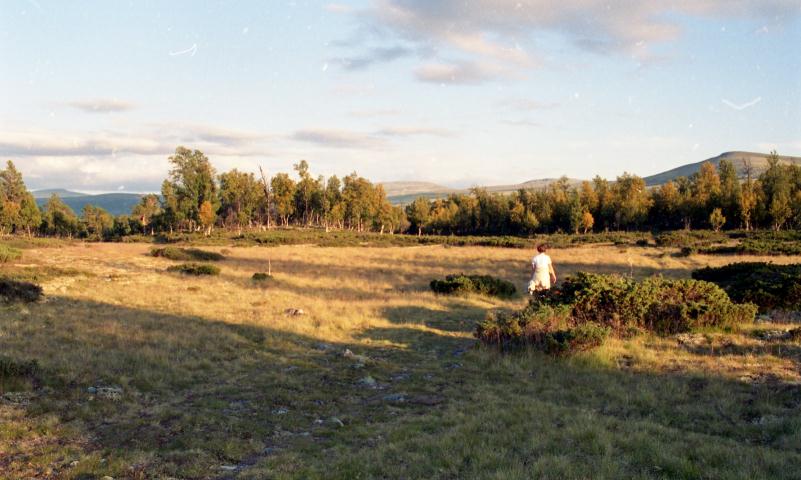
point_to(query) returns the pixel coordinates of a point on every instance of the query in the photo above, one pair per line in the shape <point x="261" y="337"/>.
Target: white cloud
<point x="101" y="105"/>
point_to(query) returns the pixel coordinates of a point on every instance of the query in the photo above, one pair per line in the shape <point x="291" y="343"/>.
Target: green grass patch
<point x="9" y="254"/>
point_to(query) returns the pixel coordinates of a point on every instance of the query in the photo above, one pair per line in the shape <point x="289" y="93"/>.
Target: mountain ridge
<point x="404" y="192"/>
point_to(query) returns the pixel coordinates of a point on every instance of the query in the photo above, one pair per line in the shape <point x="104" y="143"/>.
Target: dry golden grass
<point x="218" y="381"/>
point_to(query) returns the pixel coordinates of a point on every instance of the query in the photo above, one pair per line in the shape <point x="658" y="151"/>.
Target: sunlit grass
<point x="219" y="380"/>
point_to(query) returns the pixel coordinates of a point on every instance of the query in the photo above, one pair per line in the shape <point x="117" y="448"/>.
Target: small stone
<point x="91" y="390"/>
<point x="427" y="400"/>
<point x="336" y="421"/>
<point x="229" y="468"/>
<point x="294" y="312"/>
<point x="692" y="339"/>
<point x="281" y="411"/>
<point x="401" y="377"/>
<point x="368" y="381"/>
<point x="109" y="393"/>
<point x="323" y="346"/>
<point x="359" y="359"/>
<point x="772" y="335"/>
<point x="395" y="398"/>
<point x="106" y="478"/>
<point x="74" y="463"/>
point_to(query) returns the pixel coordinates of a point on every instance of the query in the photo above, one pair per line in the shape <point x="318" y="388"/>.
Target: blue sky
<point x="95" y="95"/>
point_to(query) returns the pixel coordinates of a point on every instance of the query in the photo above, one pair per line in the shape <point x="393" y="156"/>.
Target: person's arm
<point x="553" y="273"/>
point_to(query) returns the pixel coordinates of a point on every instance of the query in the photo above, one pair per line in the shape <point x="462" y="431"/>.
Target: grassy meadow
<point x="344" y="365"/>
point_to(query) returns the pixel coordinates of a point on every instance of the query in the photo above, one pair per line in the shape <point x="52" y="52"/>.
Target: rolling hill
<point x="114" y="203"/>
<point x="62" y="193"/>
<point x="758" y="161"/>
<point x="402" y="193"/>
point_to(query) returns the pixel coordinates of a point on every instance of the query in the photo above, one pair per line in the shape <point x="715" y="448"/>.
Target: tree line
<point x="712" y="198"/>
<point x="194" y="198"/>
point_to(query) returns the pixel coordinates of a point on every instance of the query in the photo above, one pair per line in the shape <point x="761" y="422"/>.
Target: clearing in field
<point x="343" y="364"/>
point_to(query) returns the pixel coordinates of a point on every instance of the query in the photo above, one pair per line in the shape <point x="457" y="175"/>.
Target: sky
<point x="95" y="95"/>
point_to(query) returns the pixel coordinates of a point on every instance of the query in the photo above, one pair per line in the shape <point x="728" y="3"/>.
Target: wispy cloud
<point x="101" y="105"/>
<point x="29" y="144"/>
<point x="338" y="138"/>
<point x="522" y="123"/>
<point x="464" y="73"/>
<point x="414" y="131"/>
<point x="526" y="104"/>
<point x="374" y="55"/>
<point x="371" y="140"/>
<point x="153" y="139"/>
<point x="496" y="32"/>
<point x="387" y="112"/>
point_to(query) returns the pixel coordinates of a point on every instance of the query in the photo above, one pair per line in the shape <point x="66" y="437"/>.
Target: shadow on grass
<point x="200" y="393"/>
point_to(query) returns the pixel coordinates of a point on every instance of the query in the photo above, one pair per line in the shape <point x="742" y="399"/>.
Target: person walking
<point x="543" y="273"/>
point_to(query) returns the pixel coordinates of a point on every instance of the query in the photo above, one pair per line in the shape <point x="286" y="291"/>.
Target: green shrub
<point x="656" y="304"/>
<point x="589" y="307"/>
<point x="767" y="285"/>
<point x="261" y="277"/>
<point x="15" y="291"/>
<point x="9" y="254"/>
<point x="186" y="254"/>
<point x="481" y="284"/>
<point x="585" y="336"/>
<point x="196" y="269"/>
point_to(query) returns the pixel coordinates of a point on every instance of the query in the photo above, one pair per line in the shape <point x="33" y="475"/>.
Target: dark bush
<point x="694" y="238"/>
<point x="767" y="285"/>
<point x="763" y="247"/>
<point x="481" y="284"/>
<point x="186" y="254"/>
<point x="15" y="291"/>
<point x="261" y="277"/>
<point x="196" y="269"/>
<point x="616" y="305"/>
<point x="13" y="368"/>
<point x="9" y="254"/>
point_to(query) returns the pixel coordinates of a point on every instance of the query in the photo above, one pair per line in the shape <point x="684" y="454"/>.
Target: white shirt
<point x="541" y="263"/>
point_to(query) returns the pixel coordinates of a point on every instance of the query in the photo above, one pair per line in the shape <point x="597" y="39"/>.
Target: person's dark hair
<point x="542" y="247"/>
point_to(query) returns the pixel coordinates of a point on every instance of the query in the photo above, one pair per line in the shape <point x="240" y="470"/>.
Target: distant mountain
<point x="529" y="185"/>
<point x="402" y="193"/>
<point x="114" y="203"/>
<point x="58" y="191"/>
<point x="759" y="163"/>
<point x="395" y="189"/>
